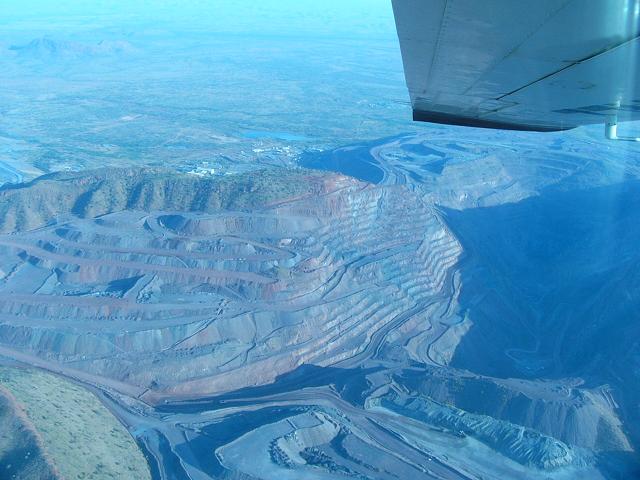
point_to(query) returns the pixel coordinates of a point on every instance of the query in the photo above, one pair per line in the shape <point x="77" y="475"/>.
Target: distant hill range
<point x="47" y="48"/>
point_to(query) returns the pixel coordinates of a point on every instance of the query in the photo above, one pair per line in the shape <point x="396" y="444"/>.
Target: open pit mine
<point x="394" y="323"/>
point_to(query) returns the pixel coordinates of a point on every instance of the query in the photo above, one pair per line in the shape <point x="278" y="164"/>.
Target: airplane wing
<point x="539" y="65"/>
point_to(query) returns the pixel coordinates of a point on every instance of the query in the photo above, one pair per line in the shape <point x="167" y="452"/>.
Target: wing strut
<point x="611" y="130"/>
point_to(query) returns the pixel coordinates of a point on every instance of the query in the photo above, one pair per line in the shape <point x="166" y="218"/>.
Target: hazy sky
<point x="371" y="18"/>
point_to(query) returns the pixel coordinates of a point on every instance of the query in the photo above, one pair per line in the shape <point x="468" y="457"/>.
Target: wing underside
<point x="544" y="65"/>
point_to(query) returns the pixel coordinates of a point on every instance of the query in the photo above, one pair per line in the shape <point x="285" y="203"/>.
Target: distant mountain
<point x="46" y="48"/>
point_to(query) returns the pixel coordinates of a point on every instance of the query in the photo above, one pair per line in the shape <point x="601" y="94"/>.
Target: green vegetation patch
<point x="82" y="438"/>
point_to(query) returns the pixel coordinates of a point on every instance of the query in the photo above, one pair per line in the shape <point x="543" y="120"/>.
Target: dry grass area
<point x="81" y="437"/>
